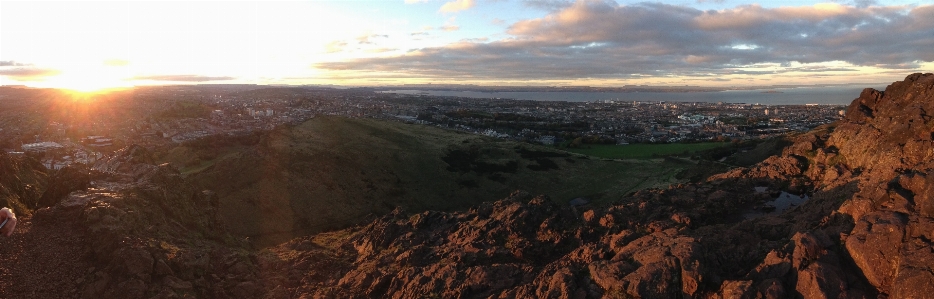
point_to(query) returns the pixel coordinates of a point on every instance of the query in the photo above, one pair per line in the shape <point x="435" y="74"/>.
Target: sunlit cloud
<point x="604" y="40"/>
<point x="380" y="50"/>
<point x="457" y="5"/>
<point x="366" y="39"/>
<point x="335" y="46"/>
<point x="365" y="43"/>
<point x="28" y="73"/>
<point x="449" y="28"/>
<point x="529" y="41"/>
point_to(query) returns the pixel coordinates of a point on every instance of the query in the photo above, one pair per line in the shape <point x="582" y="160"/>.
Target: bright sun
<point x="89" y="81"/>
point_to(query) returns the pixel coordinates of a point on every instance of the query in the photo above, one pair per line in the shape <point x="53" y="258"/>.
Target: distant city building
<point x="41" y="146"/>
<point x="547" y="140"/>
<point x="97" y="141"/>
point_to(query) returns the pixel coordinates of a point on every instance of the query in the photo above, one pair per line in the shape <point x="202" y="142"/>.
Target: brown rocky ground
<point x="43" y="259"/>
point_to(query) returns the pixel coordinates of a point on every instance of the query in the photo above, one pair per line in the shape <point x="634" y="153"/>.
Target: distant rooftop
<point x="41" y="146"/>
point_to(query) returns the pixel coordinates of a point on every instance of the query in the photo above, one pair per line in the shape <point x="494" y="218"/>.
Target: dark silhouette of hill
<point x="332" y="172"/>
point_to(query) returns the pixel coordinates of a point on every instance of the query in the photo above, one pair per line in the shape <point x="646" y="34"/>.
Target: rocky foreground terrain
<point x="131" y="229"/>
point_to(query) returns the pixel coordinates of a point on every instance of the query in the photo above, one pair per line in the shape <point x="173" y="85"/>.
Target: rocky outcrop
<point x="22" y="181"/>
<point x="657" y="244"/>
<point x="885" y="147"/>
<point x="887" y="139"/>
<point x="148" y="232"/>
<point x="518" y="247"/>
<point x="64" y="181"/>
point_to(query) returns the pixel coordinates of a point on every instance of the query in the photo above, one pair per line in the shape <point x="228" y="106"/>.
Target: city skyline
<point x="93" y="45"/>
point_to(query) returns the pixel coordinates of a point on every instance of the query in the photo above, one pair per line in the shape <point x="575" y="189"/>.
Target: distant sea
<point x="830" y="95"/>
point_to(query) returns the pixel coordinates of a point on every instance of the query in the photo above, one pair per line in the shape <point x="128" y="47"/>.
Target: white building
<point x="547" y="140"/>
<point x="41" y="146"/>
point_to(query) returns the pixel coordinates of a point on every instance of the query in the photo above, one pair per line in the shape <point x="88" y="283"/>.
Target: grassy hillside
<point x="331" y="172"/>
<point x="644" y="151"/>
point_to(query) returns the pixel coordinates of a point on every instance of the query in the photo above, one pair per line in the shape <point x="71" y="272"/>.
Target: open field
<point x="331" y="172"/>
<point x="643" y="151"/>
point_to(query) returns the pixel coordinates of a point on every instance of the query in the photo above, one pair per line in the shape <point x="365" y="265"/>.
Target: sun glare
<point x="96" y="88"/>
<point x="88" y="81"/>
<point x="86" y="94"/>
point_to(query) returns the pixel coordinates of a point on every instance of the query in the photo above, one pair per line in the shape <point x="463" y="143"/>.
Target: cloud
<point x="549" y="5"/>
<point x="381" y="50"/>
<point x="20" y="71"/>
<point x="600" y="39"/>
<point x="457" y="5"/>
<point x="475" y="40"/>
<point x="335" y="46"/>
<point x="820" y="69"/>
<point x="366" y="42"/>
<point x="13" y="63"/>
<point x="439" y="28"/>
<point x="859" y="3"/>
<point x="183" y="78"/>
<point x="26" y="73"/>
<point x="449" y="28"/>
<point x="366" y="39"/>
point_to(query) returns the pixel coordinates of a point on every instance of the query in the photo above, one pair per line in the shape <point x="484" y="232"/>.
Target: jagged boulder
<point x="22" y="181"/>
<point x="64" y="181"/>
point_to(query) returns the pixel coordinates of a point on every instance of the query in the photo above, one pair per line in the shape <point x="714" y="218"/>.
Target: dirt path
<point x="42" y="259"/>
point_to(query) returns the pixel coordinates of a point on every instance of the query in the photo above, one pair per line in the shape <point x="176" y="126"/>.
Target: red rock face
<point x="890" y="139"/>
<point x="884" y="146"/>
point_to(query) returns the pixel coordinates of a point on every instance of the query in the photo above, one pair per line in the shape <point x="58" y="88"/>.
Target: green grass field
<point x="331" y="172"/>
<point x="643" y="151"/>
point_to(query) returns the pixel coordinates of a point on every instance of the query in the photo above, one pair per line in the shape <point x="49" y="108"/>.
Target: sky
<point x="91" y="45"/>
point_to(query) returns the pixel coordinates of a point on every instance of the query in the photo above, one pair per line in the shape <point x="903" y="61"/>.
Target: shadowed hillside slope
<point x="331" y="172"/>
<point x="22" y="182"/>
